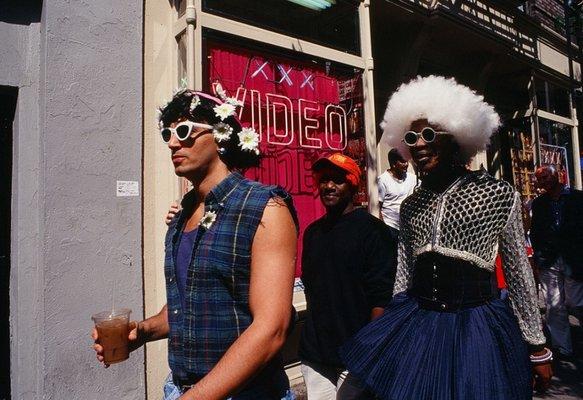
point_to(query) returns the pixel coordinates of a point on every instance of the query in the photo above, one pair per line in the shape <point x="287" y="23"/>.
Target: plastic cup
<point x="113" y="328"/>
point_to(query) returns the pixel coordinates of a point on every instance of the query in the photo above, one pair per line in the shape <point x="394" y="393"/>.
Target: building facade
<point x="71" y="93"/>
<point x="280" y="58"/>
<point x="90" y="179"/>
<point x="514" y="53"/>
<point x="304" y="75"/>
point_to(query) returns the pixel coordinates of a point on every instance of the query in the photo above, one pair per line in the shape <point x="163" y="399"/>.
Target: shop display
<point x="557" y="157"/>
<point x="301" y="111"/>
<point x="522" y="159"/>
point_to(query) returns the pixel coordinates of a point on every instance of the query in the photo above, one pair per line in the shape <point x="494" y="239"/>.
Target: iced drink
<point x="112" y="333"/>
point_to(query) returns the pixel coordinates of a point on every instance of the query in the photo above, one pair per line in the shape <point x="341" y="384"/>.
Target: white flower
<point x="208" y="219"/>
<point x="220" y="91"/>
<point x="195" y="102"/>
<point x="249" y="140"/>
<point x="222" y="132"/>
<point x="224" y="110"/>
<point x="234" y="102"/>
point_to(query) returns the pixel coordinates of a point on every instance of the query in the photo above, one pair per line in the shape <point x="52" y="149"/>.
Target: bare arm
<point x="153" y="328"/>
<point x="273" y="256"/>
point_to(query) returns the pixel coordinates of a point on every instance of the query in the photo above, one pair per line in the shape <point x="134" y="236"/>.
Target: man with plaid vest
<point x="229" y="265"/>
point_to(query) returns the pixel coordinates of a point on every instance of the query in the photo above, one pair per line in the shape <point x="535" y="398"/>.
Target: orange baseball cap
<point x="343" y="162"/>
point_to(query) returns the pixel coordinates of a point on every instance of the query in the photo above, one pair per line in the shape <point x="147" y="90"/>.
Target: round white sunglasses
<point x="182" y="131"/>
<point x="428" y="135"/>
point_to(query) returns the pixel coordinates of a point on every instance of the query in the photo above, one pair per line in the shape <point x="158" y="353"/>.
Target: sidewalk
<point x="568" y="380"/>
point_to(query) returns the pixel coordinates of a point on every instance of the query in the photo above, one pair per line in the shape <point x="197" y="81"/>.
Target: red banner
<point x="301" y="112"/>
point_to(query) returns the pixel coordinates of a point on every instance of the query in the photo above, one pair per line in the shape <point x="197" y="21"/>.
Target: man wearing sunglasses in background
<point x="348" y="270"/>
<point x="229" y="265"/>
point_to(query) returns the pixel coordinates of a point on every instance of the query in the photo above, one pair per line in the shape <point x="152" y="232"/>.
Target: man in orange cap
<point x="348" y="270"/>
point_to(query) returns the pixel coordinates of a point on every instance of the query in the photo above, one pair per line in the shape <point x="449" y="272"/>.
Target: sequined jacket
<point x="474" y="219"/>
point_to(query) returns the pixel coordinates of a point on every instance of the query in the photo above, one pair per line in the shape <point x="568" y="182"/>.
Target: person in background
<point x="394" y="185"/>
<point x="556" y="234"/>
<point x="229" y="265"/>
<point x="446" y="334"/>
<point x="348" y="270"/>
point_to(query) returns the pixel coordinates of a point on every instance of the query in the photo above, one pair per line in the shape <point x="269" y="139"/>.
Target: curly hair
<point x="446" y="104"/>
<point x="180" y="108"/>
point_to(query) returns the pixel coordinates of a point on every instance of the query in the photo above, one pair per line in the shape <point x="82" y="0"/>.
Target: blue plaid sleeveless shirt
<point x="216" y="310"/>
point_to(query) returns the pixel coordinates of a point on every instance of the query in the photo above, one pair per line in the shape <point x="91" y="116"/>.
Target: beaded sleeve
<point x="403" y="277"/>
<point x="404" y="259"/>
<point x="519" y="277"/>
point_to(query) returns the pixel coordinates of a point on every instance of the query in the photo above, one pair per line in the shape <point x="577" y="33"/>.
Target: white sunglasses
<point x="428" y="134"/>
<point x="182" y="131"/>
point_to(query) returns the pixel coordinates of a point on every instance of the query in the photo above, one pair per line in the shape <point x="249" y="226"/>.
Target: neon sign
<point x="281" y="119"/>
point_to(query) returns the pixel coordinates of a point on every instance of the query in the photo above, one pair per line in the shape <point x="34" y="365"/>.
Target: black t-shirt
<point x="348" y="268"/>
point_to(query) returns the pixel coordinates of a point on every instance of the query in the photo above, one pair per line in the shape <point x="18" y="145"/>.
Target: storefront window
<point x="330" y="23"/>
<point x="301" y="110"/>
<point x="522" y="158"/>
<point x="552" y="98"/>
<point x="556" y="148"/>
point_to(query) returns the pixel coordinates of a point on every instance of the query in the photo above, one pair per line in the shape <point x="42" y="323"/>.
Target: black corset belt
<point x="446" y="284"/>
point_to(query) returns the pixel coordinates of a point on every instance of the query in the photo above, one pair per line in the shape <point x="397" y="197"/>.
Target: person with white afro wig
<point x="446" y="334"/>
<point x="454" y="108"/>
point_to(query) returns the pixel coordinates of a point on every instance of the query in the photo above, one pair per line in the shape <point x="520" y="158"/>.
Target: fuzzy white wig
<point x="444" y="103"/>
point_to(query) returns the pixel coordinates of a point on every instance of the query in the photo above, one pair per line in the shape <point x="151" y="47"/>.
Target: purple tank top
<point x="183" y="257"/>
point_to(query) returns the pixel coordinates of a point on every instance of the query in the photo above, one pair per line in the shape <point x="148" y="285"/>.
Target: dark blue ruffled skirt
<point x="410" y="353"/>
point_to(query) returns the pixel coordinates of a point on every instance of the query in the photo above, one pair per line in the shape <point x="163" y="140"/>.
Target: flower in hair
<point x="234" y="102"/>
<point x="208" y="219"/>
<point x="249" y="140"/>
<point x="221" y="93"/>
<point x="194" y="102"/>
<point x="224" y="110"/>
<point x="222" y="132"/>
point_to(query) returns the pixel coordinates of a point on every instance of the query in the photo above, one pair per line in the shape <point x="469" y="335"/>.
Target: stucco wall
<point x="77" y="131"/>
<point x="19" y="67"/>
<point x="92" y="95"/>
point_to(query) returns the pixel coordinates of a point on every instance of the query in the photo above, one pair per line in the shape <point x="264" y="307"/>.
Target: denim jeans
<point x="172" y="392"/>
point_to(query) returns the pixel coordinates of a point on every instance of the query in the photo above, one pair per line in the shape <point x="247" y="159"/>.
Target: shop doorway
<point x="7" y="108"/>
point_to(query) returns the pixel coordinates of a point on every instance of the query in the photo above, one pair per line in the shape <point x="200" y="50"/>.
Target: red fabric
<point x="499" y="273"/>
<point x="237" y="68"/>
<point x="286" y="162"/>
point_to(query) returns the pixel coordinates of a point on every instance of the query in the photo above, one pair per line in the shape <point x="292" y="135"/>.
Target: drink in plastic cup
<point x="113" y="328"/>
